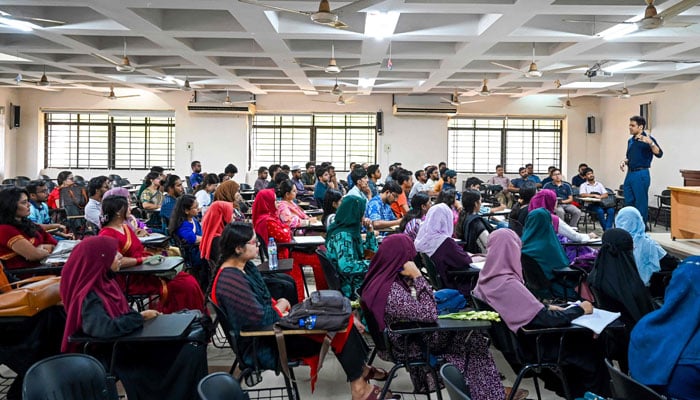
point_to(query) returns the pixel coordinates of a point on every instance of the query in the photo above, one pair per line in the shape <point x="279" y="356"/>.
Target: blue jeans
<point x="636" y="188"/>
<point x="605" y="222"/>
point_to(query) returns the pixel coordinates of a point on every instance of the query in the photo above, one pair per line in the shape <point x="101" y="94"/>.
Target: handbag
<point x="29" y="296"/>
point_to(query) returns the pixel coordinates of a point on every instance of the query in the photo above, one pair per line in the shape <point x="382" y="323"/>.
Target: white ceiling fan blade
<point x="588" y="21"/>
<point x="324" y="101"/>
<point x="35" y="20"/>
<point x="678" y="8"/>
<point x="107" y="59"/>
<point x="556" y="106"/>
<point x="446" y="100"/>
<point x="557" y="70"/>
<point x="645" y="93"/>
<point x="355" y="6"/>
<point x="471" y="101"/>
<point x="311" y="66"/>
<point x="158" y="66"/>
<point x="128" y="95"/>
<point x="505" y="66"/>
<point x="337" y="24"/>
<point x="95" y="94"/>
<point x="243" y="101"/>
<point x="678" y="24"/>
<point x="349" y="67"/>
<point x="259" y="4"/>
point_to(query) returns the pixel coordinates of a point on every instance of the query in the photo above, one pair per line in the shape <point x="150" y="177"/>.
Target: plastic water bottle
<point x="592" y="396"/>
<point x="272" y="252"/>
<point x="308" y="322"/>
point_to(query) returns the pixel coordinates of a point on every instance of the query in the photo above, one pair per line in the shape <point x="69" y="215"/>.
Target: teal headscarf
<point x="541" y="243"/>
<point x="647" y="252"/>
<point x="348" y="218"/>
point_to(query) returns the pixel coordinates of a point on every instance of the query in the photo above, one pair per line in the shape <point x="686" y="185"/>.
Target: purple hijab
<point x="501" y="282"/>
<point x="546" y="199"/>
<point x="117" y="191"/>
<point x="438" y="226"/>
<point x="384" y="271"/>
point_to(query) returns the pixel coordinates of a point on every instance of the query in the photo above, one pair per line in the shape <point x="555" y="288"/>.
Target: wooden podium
<point x="690" y="177"/>
<point x="685" y="212"/>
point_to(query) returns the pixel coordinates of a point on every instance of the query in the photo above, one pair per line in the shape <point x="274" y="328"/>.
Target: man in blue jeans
<point x="641" y="148"/>
<point x="593" y="189"/>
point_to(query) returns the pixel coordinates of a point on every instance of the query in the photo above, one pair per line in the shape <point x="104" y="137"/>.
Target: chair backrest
<point x="22" y="181"/>
<point x="73" y="198"/>
<point x="454" y="382"/>
<point x="262" y="249"/>
<point x="226" y="325"/>
<point x="329" y="270"/>
<point x="533" y="274"/>
<point x="373" y="327"/>
<point x="624" y="387"/>
<point x="67" y="376"/>
<point x="220" y="386"/>
<point x="665" y="199"/>
<point x="79" y="181"/>
<point x="215" y="251"/>
<point x="433" y="276"/>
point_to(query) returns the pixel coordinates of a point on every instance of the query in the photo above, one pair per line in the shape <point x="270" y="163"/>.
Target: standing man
<point x="196" y="178"/>
<point x="565" y="196"/>
<point x="641" y="148"/>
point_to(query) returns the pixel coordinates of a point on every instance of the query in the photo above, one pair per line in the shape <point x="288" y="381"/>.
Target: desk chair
<point x="220" y="386"/>
<point x="68" y="377"/>
<point x="663" y="202"/>
<point x="624" y="387"/>
<point x="536" y="281"/>
<point x="454" y="382"/>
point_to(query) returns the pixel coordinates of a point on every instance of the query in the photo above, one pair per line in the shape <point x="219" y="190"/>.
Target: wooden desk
<point x="283" y="265"/>
<point x="685" y="212"/>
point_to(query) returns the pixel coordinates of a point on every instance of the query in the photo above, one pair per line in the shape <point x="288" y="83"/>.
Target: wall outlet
<point x="190" y="146"/>
<point x="387" y="148"/>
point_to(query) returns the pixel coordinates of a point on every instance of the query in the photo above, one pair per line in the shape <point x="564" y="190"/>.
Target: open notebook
<point x="597" y="321"/>
<point x="61" y="252"/>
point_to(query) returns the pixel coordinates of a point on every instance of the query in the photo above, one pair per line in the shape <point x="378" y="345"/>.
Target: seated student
<point x="172" y="189"/>
<point x="450" y="183"/>
<point x="503" y="196"/>
<point x="360" y="187"/>
<point x="548" y="200"/>
<point x="185" y="226"/>
<point x="449" y="197"/>
<point x="288" y="211"/>
<point x="564" y="198"/>
<point x="549" y="178"/>
<point x="420" y="185"/>
<point x="379" y="207"/>
<point x="435" y="239"/>
<point x="39" y="211"/>
<point x="64" y="179"/>
<point x="151" y="197"/>
<point x="134" y="223"/>
<point x="405" y="180"/>
<point x="579" y="179"/>
<point x="145" y="183"/>
<point x="647" y="253"/>
<point x="410" y="223"/>
<point x="471" y="226"/>
<point x="331" y="202"/>
<point x="229" y="191"/>
<point x="501" y="286"/>
<point x="517" y="183"/>
<point x="97" y="187"/>
<point x="591" y="188"/>
<point x="308" y="177"/>
<point x="205" y="193"/>
<point x="196" y="178"/>
<point x="276" y="181"/>
<point x="240" y="291"/>
<point x="261" y="182"/>
<point x="95" y="304"/>
<point x="374" y="173"/>
<point x="521" y="207"/>
<point x="229" y="172"/>
<point x="396" y="291"/>
<point x="322" y="178"/>
<point x="345" y="246"/>
<point x="181" y="292"/>
<point x="664" y="350"/>
<point x="23" y="243"/>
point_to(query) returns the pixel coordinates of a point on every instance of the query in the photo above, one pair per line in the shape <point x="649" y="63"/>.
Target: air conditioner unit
<point x="221" y="109"/>
<point x="424" y="110"/>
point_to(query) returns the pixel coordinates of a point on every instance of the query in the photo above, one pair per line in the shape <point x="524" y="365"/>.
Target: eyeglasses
<point x="43" y="191"/>
<point x="254" y="242"/>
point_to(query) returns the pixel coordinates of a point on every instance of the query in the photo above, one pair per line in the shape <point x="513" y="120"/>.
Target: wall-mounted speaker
<point x="14" y="116"/>
<point x="380" y="122"/>
<point x="590" y="125"/>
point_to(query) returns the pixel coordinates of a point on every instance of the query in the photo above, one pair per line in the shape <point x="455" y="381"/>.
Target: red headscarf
<point x="384" y="271"/>
<point x="264" y="210"/>
<point x="88" y="270"/>
<point x="219" y="214"/>
<point x="546" y="199"/>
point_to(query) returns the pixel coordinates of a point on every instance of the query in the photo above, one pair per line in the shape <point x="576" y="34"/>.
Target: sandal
<point x="376" y="391"/>
<point x="374" y="373"/>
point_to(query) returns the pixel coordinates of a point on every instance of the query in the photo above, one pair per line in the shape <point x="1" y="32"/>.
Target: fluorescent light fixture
<point x="589" y="85"/>
<point x="380" y="25"/>
<point x="310" y="92"/>
<point x="618" y="31"/>
<point x="23" y="26"/>
<point x="623" y="66"/>
<point x="7" y="57"/>
<point x="366" y="82"/>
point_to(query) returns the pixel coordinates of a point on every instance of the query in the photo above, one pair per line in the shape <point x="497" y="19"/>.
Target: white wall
<point x="8" y="137"/>
<point x="220" y="139"/>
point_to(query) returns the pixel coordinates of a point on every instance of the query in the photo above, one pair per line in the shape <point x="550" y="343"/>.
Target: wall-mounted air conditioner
<point x="221" y="109"/>
<point x="424" y="110"/>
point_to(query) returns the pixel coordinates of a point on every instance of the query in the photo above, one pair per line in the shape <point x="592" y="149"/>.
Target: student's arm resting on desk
<point x="553" y="318"/>
<point x="97" y="323"/>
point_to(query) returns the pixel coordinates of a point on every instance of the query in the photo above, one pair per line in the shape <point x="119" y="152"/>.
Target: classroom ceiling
<point x="435" y="46"/>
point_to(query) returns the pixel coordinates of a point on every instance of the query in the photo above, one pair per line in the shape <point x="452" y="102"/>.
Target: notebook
<point x="597" y="321"/>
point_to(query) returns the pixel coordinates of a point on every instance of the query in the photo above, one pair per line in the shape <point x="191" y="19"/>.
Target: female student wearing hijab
<point x="540" y="244"/>
<point x="664" y="350"/>
<point x="647" y="253"/>
<point x="387" y="293"/>
<point x="239" y="289"/>
<point x="502" y="287"/>
<point x="345" y="246"/>
<point x="435" y="239"/>
<point x="547" y="199"/>
<point x="229" y="191"/>
<point x="95" y="304"/>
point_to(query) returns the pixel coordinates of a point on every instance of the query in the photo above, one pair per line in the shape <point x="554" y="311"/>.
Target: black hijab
<point x="615" y="277"/>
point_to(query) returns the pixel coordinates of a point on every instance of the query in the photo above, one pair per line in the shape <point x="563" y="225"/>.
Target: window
<point x="101" y="140"/>
<point x="478" y="145"/>
<point x="296" y="139"/>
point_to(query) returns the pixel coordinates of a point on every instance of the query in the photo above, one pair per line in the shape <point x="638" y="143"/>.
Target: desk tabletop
<point x="162" y="327"/>
<point x="269" y="331"/>
<point x="283" y="265"/>
<point x="442" y="325"/>
<point x="168" y="264"/>
<point x="304" y="241"/>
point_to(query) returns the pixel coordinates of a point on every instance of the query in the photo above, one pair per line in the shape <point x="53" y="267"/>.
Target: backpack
<point x="473" y="226"/>
<point x="328" y="309"/>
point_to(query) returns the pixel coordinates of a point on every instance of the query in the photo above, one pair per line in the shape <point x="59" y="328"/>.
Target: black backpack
<point x="329" y="308"/>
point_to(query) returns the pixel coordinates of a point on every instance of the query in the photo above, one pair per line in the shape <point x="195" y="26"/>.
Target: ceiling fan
<point x="567" y="104"/>
<point x="227" y="101"/>
<point x="110" y="95"/>
<point x="485" y="91"/>
<point x="334" y="68"/>
<point x="533" y="71"/>
<point x="624" y="93"/>
<point x="324" y="15"/>
<point x="653" y="19"/>
<point x="454" y="100"/>
<point x="337" y="90"/>
<point x="43" y="81"/>
<point x="26" y="23"/>
<point x="185" y="85"/>
<point x="125" y="65"/>
<point x="341" y="101"/>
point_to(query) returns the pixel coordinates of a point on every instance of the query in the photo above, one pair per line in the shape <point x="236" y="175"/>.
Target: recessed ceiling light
<point x="366" y="82"/>
<point x="23" y="26"/>
<point x="589" y="85"/>
<point x="380" y="25"/>
<point x="8" y="57"/>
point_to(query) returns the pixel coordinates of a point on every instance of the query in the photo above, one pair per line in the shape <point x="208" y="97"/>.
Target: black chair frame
<point x="623" y="387"/>
<point x="219" y="386"/>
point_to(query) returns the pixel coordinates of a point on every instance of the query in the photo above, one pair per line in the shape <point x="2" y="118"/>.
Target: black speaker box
<point x="590" y="125"/>
<point x="15" y="116"/>
<point x="380" y="122"/>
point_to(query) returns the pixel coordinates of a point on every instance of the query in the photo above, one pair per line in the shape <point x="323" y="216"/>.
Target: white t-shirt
<point x="594" y="188"/>
<point x="204" y="200"/>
